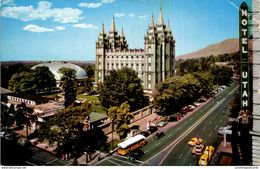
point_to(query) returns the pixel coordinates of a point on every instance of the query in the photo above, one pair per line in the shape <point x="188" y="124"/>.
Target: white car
<point x="191" y="107"/>
<point x="162" y="123"/>
<point x="196" y="104"/>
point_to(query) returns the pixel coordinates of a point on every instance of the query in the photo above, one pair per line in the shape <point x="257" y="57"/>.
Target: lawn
<point x="89" y="98"/>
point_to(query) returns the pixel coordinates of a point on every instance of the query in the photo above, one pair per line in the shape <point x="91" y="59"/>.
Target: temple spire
<point x="160" y="19"/>
<point x="122" y="33"/>
<point x="102" y="29"/>
<point x="113" y="26"/>
<point x="168" y="27"/>
<point x="152" y="22"/>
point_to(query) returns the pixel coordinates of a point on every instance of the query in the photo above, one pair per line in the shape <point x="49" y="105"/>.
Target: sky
<point x="67" y="30"/>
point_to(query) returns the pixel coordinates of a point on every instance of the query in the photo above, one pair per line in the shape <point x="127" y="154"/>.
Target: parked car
<point x="202" y="100"/>
<point x="159" y="135"/>
<point x="136" y="155"/>
<point x="145" y="133"/>
<point x="23" y="141"/>
<point x="191" y="107"/>
<point x="172" y="118"/>
<point x="152" y="129"/>
<point x="196" y="104"/>
<point x="162" y="123"/>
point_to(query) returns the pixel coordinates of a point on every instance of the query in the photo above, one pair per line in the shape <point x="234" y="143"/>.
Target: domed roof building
<point x="55" y="66"/>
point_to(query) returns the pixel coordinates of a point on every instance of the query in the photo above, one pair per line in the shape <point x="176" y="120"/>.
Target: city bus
<point x="131" y="144"/>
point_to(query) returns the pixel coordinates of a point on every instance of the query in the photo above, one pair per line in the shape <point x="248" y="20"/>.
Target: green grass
<point x="51" y="96"/>
<point x="89" y="98"/>
<point x="98" y="109"/>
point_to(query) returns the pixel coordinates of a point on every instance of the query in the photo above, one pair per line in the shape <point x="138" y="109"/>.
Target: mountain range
<point x="223" y="47"/>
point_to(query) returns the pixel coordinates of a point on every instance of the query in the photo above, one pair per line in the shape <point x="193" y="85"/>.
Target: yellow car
<point x="197" y="149"/>
<point x="203" y="160"/>
<point x="195" y="140"/>
<point x="209" y="150"/>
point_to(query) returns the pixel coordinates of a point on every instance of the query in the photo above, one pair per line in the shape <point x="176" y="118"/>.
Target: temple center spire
<point x="160" y="19"/>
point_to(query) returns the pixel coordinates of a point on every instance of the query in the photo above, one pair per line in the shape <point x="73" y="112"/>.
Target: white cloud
<point x="131" y="15"/>
<point x="90" y="5"/>
<point x="83" y="25"/>
<point x="143" y="16"/>
<point x="60" y="28"/>
<point x="8" y="2"/>
<point x="119" y="14"/>
<point x="108" y="1"/>
<point x="43" y="12"/>
<point x="35" y="28"/>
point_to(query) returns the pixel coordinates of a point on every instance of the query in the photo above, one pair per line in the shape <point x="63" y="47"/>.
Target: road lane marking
<point x="174" y="143"/>
<point x="123" y="161"/>
<point x="185" y="122"/>
<point x="220" y="120"/>
<point x="205" y="141"/>
<point x="209" y="121"/>
<point x="178" y="128"/>
<point x="52" y="161"/>
<point x="210" y="134"/>
<point x="113" y="162"/>
<point x="30" y="163"/>
<point x="146" y="151"/>
<point x="158" y="144"/>
<point x="169" y="135"/>
<point x="180" y="156"/>
<point x="204" y="128"/>
<point x="216" y="127"/>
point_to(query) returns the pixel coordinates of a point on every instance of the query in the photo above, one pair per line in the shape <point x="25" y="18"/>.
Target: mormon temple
<point x="154" y="63"/>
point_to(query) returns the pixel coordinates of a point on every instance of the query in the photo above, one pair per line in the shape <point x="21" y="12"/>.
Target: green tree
<point x="32" y="81"/>
<point x="66" y="128"/>
<point x="174" y="93"/>
<point x="222" y="75"/>
<point x="24" y="116"/>
<point x="23" y="82"/>
<point x="121" y="86"/>
<point x="69" y="85"/>
<point x="121" y="117"/>
<point x="90" y="69"/>
<point x="44" y="78"/>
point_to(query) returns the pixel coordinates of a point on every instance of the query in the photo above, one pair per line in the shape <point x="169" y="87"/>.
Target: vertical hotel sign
<point x="244" y="56"/>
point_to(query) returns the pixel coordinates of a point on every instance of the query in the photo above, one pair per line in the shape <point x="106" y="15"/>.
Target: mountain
<point x="226" y="46"/>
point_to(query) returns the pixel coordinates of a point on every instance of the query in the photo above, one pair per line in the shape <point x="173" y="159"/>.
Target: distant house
<point x="28" y="99"/>
<point x="46" y="110"/>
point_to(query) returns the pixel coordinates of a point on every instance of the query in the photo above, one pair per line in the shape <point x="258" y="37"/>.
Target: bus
<point x="131" y="144"/>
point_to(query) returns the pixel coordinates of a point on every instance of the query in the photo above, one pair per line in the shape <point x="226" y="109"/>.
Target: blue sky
<point x="55" y="30"/>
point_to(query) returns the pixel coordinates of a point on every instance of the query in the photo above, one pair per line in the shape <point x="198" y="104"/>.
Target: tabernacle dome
<point x="55" y="66"/>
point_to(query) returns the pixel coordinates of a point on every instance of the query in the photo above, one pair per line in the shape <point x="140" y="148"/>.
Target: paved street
<point x="173" y="149"/>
